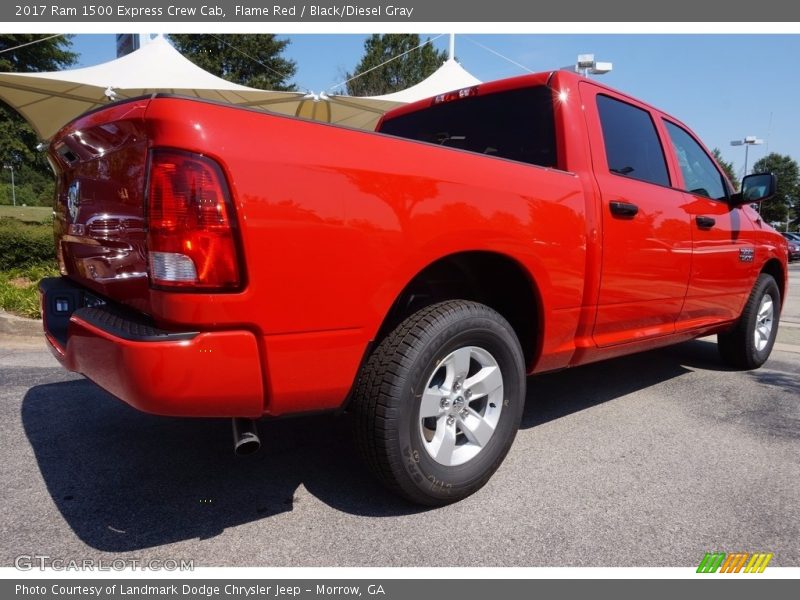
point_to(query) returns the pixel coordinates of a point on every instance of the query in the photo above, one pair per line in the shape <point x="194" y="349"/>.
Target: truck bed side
<point x="329" y="215"/>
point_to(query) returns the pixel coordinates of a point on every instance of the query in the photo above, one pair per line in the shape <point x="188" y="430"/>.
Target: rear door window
<point x="632" y="146"/>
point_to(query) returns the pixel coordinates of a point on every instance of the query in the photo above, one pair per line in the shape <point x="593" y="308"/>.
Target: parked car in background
<point x="794" y="245"/>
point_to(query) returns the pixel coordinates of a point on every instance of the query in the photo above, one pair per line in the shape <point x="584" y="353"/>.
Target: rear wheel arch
<point x="491" y="278"/>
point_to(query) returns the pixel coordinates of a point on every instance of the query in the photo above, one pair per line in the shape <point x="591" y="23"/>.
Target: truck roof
<point x="511" y="83"/>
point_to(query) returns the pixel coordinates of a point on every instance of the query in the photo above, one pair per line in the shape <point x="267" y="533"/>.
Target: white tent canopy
<point x="50" y="100"/>
<point x="450" y="76"/>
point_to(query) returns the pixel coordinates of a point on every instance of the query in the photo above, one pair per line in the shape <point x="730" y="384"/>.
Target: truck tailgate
<point x="100" y="162"/>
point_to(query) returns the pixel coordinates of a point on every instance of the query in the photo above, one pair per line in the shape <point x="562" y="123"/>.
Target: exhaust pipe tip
<point x="245" y="437"/>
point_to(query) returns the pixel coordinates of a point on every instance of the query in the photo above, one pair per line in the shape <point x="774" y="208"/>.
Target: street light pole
<point x="13" y="189"/>
<point x="748" y="141"/>
<point x="746" y="152"/>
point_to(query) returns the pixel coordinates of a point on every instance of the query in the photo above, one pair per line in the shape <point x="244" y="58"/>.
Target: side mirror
<point x="756" y="188"/>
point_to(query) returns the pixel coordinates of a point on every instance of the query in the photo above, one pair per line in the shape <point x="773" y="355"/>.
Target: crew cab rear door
<point x="646" y="235"/>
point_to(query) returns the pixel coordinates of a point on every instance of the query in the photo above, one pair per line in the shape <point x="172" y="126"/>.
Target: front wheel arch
<point x="774" y="268"/>
<point x="748" y="344"/>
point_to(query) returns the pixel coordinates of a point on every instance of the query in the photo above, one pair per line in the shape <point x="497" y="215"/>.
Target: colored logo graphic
<point x="734" y="563"/>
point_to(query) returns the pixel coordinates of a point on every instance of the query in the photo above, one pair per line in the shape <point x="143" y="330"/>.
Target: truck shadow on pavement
<point x="124" y="480"/>
<point x="558" y="394"/>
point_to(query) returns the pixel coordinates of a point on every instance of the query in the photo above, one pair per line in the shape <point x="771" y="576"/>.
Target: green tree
<point x="794" y="214"/>
<point x="17" y="140"/>
<point x="727" y="167"/>
<point x="33" y="52"/>
<point x="398" y="74"/>
<point x="253" y="60"/>
<point x="787" y="171"/>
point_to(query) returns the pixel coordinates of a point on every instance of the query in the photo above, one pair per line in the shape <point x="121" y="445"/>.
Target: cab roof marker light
<point x="456" y="95"/>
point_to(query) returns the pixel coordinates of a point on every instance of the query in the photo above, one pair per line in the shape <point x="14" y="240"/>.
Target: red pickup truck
<point x="225" y="262"/>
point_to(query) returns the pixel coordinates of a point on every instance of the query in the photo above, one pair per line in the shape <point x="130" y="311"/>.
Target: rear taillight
<point x="191" y="239"/>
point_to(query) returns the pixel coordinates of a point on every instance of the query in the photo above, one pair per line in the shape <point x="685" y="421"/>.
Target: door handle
<point x="704" y="222"/>
<point x="623" y="209"/>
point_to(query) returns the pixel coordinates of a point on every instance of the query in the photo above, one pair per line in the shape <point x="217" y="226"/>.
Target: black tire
<point x="390" y="432"/>
<point x="738" y="347"/>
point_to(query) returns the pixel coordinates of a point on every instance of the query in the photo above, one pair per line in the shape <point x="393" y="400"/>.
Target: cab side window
<point x="700" y="175"/>
<point x="632" y="146"/>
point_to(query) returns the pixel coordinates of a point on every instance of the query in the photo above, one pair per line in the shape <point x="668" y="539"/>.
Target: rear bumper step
<point x="176" y="373"/>
<point x="129" y="327"/>
<point x="61" y="299"/>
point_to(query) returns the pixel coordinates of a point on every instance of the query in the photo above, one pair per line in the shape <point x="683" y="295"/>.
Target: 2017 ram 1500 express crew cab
<point x="219" y="261"/>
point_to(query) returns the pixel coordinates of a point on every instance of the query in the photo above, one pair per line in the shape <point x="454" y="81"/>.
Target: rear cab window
<point x="517" y="124"/>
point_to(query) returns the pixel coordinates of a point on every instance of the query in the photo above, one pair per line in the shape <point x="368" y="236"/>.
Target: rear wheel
<point x="439" y="402"/>
<point x="749" y="344"/>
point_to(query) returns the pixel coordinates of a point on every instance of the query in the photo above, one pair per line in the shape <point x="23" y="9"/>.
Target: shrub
<point x="19" y="289"/>
<point x="25" y="244"/>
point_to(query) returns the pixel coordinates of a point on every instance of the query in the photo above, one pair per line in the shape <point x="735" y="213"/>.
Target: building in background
<point x="128" y="42"/>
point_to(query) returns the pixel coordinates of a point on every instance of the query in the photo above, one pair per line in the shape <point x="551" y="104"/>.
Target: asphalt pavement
<point x="647" y="460"/>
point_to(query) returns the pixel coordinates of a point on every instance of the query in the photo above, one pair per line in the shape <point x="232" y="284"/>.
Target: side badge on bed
<point x="746" y="254"/>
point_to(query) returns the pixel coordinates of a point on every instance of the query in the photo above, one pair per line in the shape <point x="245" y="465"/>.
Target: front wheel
<point x="749" y="344"/>
<point x="440" y="400"/>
